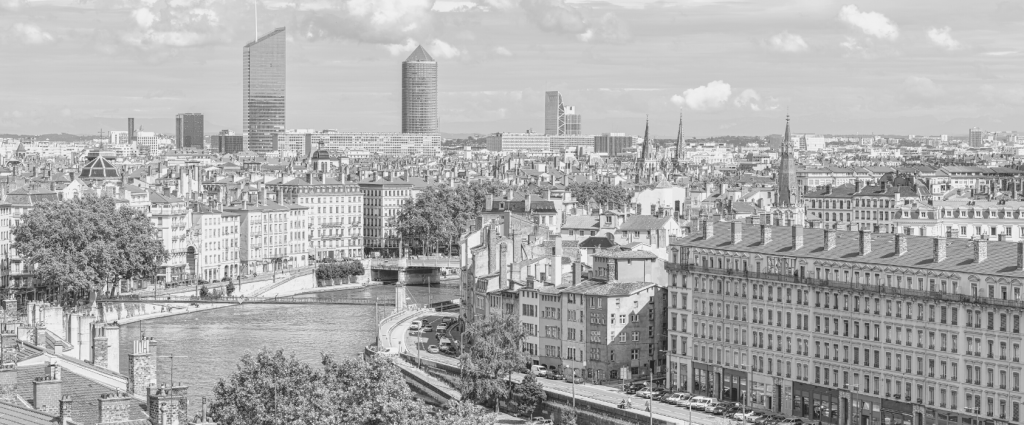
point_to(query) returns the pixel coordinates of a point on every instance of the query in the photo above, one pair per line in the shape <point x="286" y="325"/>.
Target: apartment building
<point x="863" y="206"/>
<point x="218" y="234"/>
<point x="382" y="201"/>
<point x="849" y="327"/>
<point x="335" y="213"/>
<point x="966" y="218"/>
<point x="272" y="236"/>
<point x="172" y="220"/>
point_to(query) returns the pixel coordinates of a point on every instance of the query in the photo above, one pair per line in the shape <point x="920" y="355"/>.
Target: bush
<point x="203" y="292"/>
<point x="230" y="288"/>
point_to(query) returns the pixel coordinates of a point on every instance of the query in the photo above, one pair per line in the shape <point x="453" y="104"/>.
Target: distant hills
<point x="62" y="137"/>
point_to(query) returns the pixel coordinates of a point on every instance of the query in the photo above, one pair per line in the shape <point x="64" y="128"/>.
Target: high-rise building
<point x="560" y="120"/>
<point x="188" y="131"/>
<point x="614" y="144"/>
<point x="554" y="114"/>
<point x="131" y="130"/>
<point x="227" y="142"/>
<point x="263" y="90"/>
<point x="975" y="138"/>
<point x="419" y="93"/>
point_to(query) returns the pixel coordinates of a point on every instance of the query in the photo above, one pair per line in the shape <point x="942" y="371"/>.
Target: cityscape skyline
<point x="864" y="68"/>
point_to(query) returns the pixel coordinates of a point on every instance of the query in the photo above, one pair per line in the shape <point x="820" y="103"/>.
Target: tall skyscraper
<point x="554" y="114"/>
<point x="131" y="130"/>
<point x="419" y="93"/>
<point x="188" y="131"/>
<point x="263" y="90"/>
<point x="560" y="120"/>
<point x="975" y="137"/>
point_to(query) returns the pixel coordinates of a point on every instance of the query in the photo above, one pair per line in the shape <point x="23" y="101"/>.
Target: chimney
<point x="508" y="223"/>
<point x="1020" y="255"/>
<point x="100" y="349"/>
<point x="8" y="382"/>
<point x="113" y="334"/>
<point x="114" y="408"/>
<point x="980" y="251"/>
<point x="64" y="410"/>
<point x="46" y="390"/>
<point x="168" y="406"/>
<point x="8" y="347"/>
<point x="857" y="186"/>
<point x="709" y="229"/>
<point x="901" y="244"/>
<point x="865" y="242"/>
<point x="662" y="238"/>
<point x="489" y="204"/>
<point x="1002" y="237"/>
<point x="502" y="266"/>
<point x="140" y="368"/>
<point x="577" y="273"/>
<point x="556" y="268"/>
<point x="526" y="203"/>
<point x="737" y="232"/>
<point x="798" y="237"/>
<point x="766" y="234"/>
<point x="939" y="249"/>
<point x="830" y="239"/>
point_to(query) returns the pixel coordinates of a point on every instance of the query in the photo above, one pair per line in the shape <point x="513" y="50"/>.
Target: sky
<point x="728" y="67"/>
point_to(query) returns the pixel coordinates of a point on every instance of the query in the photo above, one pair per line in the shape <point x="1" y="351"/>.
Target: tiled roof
<point x="610" y="288"/>
<point x="644" y="222"/>
<point x="581" y="222"/>
<point x="1001" y="261"/>
<point x="596" y="242"/>
<point x="84" y="393"/>
<point x="19" y="415"/>
<point x="158" y="198"/>
<point x="633" y="255"/>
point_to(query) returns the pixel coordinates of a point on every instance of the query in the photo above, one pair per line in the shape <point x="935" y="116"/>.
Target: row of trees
<point x="330" y="269"/>
<point x="270" y="388"/>
<point x="600" y="192"/>
<point x="86" y="245"/>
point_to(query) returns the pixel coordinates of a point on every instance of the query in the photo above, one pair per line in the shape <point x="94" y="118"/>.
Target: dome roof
<point x="321" y="154"/>
<point x="99" y="168"/>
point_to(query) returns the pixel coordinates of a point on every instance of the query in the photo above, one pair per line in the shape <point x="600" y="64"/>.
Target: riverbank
<point x="176" y="312"/>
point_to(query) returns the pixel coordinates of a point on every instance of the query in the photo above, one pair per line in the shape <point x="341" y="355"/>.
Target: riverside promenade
<point x="592" y="401"/>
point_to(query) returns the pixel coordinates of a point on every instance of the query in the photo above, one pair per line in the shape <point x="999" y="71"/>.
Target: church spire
<point x="789" y="194"/>
<point x="680" y="141"/>
<point x="787" y="140"/>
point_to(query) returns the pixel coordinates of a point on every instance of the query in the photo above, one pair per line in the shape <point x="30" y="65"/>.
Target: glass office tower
<point x="263" y="91"/>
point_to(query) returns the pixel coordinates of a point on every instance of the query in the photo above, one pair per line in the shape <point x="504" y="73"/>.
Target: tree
<point x="203" y="292"/>
<point x="87" y="244"/>
<point x="600" y="192"/>
<point x="230" y="288"/>
<point x="492" y="350"/>
<point x="569" y="416"/>
<point x="527" y="395"/>
<point x="440" y="214"/>
<point x="270" y="388"/>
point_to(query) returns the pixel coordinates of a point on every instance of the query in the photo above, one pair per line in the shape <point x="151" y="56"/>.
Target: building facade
<point x="513" y="142"/>
<point x="419" y="93"/>
<point x="848" y="327"/>
<point x="263" y="90"/>
<point x="188" y="131"/>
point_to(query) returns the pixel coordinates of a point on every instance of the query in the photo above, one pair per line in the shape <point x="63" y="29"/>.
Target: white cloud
<point x="851" y="44"/>
<point x="786" y="42"/>
<point x="31" y="34"/>
<point x="445" y="6"/>
<point x="398" y="49"/>
<point x="562" y="17"/>
<point x="943" y="38"/>
<point x="144" y="17"/>
<point x="10" y="4"/>
<point x="441" y="50"/>
<point x="1002" y="53"/>
<point x="922" y="87"/>
<point x="710" y="96"/>
<point x="586" y="35"/>
<point x="502" y="51"/>
<point x="750" y="98"/>
<point x="872" y="23"/>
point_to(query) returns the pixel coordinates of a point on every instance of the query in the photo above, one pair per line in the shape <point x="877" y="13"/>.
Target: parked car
<point x="433" y="349"/>
<point x="633" y="388"/>
<point x="771" y="419"/>
<point x="555" y="375"/>
<point x="720" y="408"/>
<point x="792" y="421"/>
<point x="574" y="379"/>
<point x="699" y="403"/>
<point x="645" y="393"/>
<point x="539" y="421"/>
<point x="662" y="394"/>
<point x="676" y="398"/>
<point x="539" y="370"/>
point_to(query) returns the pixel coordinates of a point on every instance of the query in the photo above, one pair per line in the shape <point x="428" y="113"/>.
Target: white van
<point x="445" y="344"/>
<point x="539" y="370"/>
<point x="699" y="403"/>
<point x="416" y="325"/>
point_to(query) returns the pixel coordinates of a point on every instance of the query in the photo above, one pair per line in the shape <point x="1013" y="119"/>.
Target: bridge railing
<point x="244" y="300"/>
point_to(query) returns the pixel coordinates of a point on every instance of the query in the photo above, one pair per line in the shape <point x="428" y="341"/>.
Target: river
<point x="209" y="344"/>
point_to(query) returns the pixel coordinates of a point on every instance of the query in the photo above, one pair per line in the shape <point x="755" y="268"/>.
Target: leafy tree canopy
<point x="339" y="270"/>
<point x="527" y="395"/>
<point x="492" y="351"/>
<point x="87" y="244"/>
<point x="600" y="192"/>
<point x="440" y="214"/>
<point x="270" y="388"/>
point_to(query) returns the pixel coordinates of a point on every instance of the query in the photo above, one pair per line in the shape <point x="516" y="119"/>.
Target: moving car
<point x="676" y="398"/>
<point x="427" y="328"/>
<point x="433" y="349"/>
<point x="537" y="420"/>
<point x="645" y="393"/>
<point x="415" y="325"/>
<point x="441" y="327"/>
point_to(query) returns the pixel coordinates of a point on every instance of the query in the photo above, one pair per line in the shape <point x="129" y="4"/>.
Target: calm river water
<point x="210" y="343"/>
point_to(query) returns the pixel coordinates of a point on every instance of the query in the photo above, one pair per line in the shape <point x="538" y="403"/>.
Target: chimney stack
<point x="709" y="228"/>
<point x="865" y="242"/>
<point x="489" y="204"/>
<point x="140" y="368"/>
<point x="830" y="239"/>
<point x="737" y="232"/>
<point x="939" y="250"/>
<point x="766" y="234"/>
<point x="556" y="262"/>
<point x="577" y="273"/>
<point x="8" y="382"/>
<point x="798" y="237"/>
<point x="980" y="251"/>
<point x="65" y="410"/>
<point x="502" y="266"/>
<point x="114" y="408"/>
<point x="901" y="244"/>
<point x="46" y="390"/>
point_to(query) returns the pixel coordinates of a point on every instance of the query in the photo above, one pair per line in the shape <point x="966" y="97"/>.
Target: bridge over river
<point x="248" y="300"/>
<point x="412" y="270"/>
